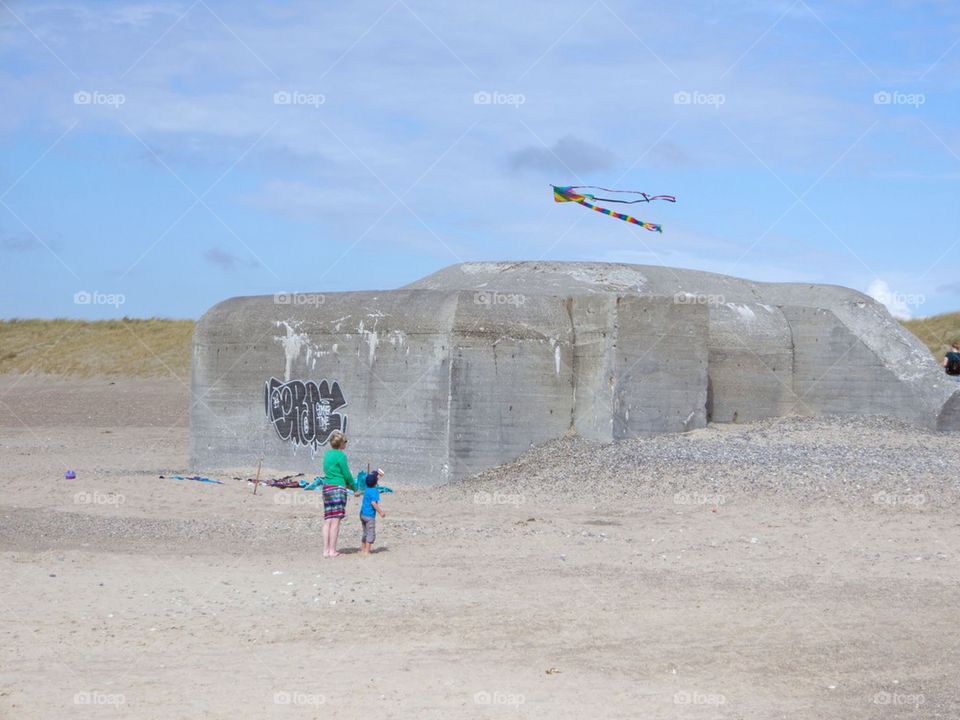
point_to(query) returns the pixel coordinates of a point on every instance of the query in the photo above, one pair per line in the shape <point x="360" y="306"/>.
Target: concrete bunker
<point x="468" y="367"/>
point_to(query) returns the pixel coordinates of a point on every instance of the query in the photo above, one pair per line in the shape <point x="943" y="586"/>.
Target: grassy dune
<point x="132" y="348"/>
<point x="936" y="332"/>
<point x="156" y="347"/>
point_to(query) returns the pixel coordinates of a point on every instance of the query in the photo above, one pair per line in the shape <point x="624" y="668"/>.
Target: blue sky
<point x="171" y="155"/>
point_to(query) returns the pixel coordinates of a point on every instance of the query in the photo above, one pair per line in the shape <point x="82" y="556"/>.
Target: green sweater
<point x="336" y="471"/>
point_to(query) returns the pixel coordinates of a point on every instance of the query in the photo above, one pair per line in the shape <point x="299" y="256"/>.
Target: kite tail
<point x="620" y="216"/>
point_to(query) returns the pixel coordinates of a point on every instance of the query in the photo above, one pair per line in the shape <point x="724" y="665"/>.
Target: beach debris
<point x="317" y="483"/>
<point x="282" y="483"/>
<point x="553" y="671"/>
<point x="195" y="478"/>
<point x="70" y="475"/>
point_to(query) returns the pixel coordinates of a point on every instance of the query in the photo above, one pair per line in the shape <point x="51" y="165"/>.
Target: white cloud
<point x="399" y="118"/>
<point x="897" y="303"/>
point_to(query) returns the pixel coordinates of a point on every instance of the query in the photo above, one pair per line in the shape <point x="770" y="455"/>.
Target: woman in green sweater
<point x="337" y="478"/>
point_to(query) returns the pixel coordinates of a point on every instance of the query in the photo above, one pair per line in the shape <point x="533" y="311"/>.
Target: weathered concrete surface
<point x="436" y="384"/>
<point x="470" y="366"/>
<point x="750" y="373"/>
<point x="882" y="369"/>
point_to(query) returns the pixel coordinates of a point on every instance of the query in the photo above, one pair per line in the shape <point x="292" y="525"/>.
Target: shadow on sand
<point x="356" y="551"/>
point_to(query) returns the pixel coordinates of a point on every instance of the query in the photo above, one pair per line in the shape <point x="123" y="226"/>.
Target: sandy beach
<point x="650" y="313"/>
<point x="802" y="568"/>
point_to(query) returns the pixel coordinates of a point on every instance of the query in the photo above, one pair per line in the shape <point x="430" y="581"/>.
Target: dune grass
<point x="132" y="348"/>
<point x="936" y="332"/>
<point x="156" y="347"/>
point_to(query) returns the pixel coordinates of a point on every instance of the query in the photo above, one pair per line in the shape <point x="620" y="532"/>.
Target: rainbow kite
<point x="568" y="193"/>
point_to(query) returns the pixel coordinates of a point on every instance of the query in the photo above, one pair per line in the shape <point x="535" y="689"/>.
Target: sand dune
<point x="797" y="568"/>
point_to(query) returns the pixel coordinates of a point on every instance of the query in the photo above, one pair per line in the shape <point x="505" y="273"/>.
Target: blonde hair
<point x="337" y="439"/>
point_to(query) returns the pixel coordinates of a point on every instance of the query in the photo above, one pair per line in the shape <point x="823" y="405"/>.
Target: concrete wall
<point x="389" y="352"/>
<point x="595" y="319"/>
<point x="660" y="366"/>
<point x="837" y="373"/>
<point x="512" y="380"/>
<point x="395" y="357"/>
<point x="750" y="363"/>
<point x="471" y="366"/>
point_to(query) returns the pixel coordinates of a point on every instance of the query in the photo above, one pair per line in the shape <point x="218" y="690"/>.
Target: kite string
<point x="645" y="196"/>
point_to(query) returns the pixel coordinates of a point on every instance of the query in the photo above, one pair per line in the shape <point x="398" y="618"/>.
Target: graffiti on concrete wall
<point x="303" y="412"/>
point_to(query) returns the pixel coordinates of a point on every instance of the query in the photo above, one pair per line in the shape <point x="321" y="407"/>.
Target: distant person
<point x="951" y="362"/>
<point x="337" y="479"/>
<point x="369" y="510"/>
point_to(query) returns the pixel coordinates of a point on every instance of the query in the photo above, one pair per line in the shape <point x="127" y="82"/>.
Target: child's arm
<point x="376" y="507"/>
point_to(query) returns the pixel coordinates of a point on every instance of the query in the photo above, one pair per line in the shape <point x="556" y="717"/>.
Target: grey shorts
<point x="369" y="529"/>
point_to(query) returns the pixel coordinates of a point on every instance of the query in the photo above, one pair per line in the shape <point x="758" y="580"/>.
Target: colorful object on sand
<point x="570" y="193"/>
<point x="317" y="484"/>
<point x="70" y="475"/>
<point x="196" y="478"/>
<point x="362" y="482"/>
<point x="287" y="481"/>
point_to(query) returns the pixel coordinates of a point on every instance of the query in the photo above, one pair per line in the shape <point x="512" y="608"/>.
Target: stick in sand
<point x="256" y="482"/>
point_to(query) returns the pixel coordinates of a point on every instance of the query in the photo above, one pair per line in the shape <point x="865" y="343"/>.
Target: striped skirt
<point x="334" y="502"/>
